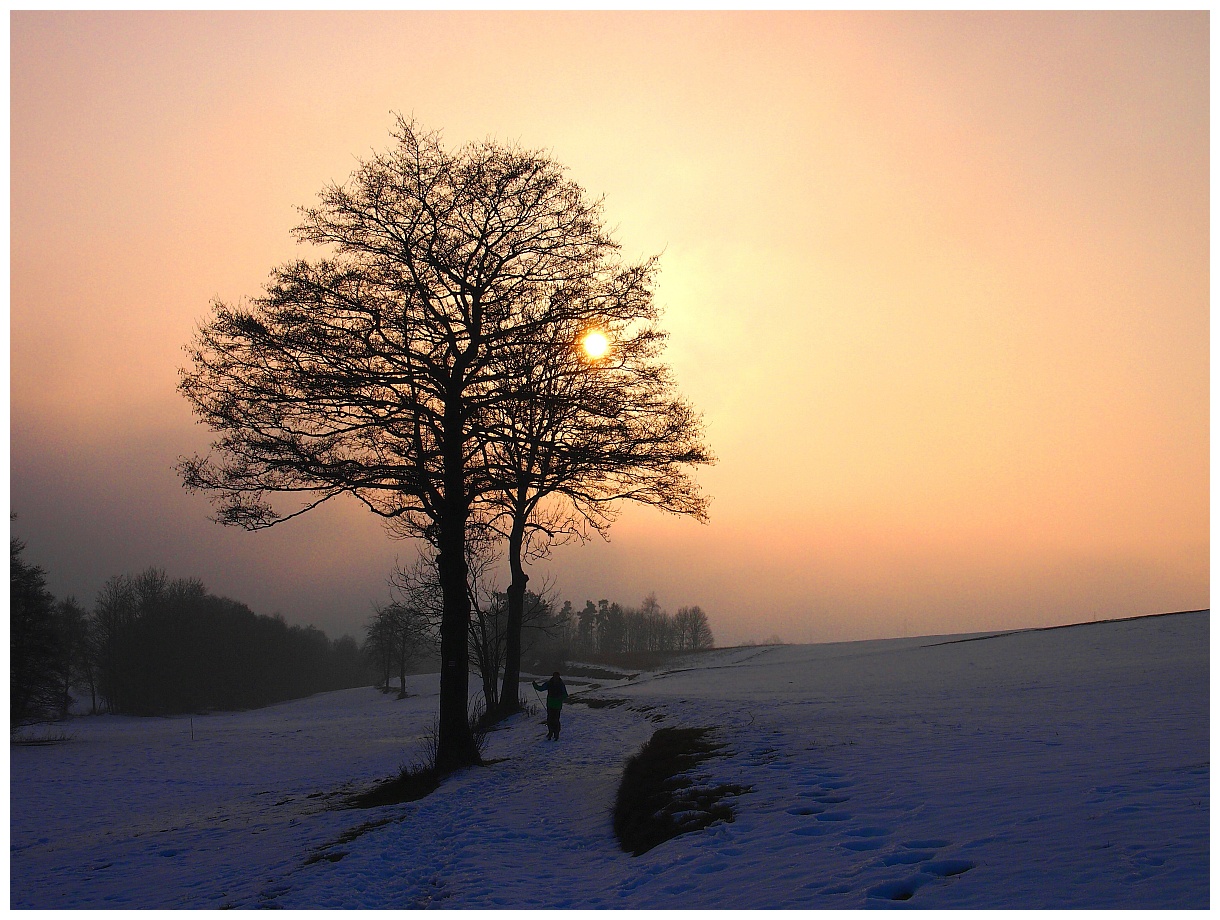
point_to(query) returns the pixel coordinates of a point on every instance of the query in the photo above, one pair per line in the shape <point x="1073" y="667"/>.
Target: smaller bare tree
<point x="74" y="664"/>
<point x="692" y="630"/>
<point x="419" y="586"/>
<point x="379" y="647"/>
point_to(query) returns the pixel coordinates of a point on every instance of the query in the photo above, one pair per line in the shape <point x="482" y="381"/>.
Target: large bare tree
<point x="369" y="371"/>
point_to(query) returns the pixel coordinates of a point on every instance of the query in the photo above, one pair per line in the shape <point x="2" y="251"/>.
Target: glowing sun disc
<point x="595" y="345"/>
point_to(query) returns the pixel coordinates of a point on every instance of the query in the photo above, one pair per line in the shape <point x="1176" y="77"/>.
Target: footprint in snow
<point x="932" y="870"/>
<point x="902" y="890"/>
<point x="866" y="839"/>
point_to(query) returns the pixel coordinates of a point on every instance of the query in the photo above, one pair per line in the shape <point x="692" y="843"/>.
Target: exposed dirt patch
<point x="658" y="799"/>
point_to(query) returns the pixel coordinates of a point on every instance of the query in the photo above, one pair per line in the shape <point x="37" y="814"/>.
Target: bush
<point x="410" y="784"/>
<point x="480" y="723"/>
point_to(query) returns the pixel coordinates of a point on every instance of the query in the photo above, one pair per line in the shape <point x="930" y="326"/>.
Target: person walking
<point x="556" y="693"/>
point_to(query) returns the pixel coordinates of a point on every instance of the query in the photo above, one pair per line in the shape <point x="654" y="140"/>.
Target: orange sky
<point x="939" y="283"/>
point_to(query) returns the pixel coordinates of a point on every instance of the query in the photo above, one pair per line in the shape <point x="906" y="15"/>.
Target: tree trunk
<point x="455" y="747"/>
<point x="510" y="693"/>
<point x="489" y="669"/>
<point x="489" y="693"/>
<point x="455" y="743"/>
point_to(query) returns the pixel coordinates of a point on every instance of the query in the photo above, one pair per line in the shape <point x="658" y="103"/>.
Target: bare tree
<point x="703" y="638"/>
<point x="370" y="372"/>
<point x="579" y="430"/>
<point x="692" y="630"/>
<point x="114" y="612"/>
<point x="397" y="634"/>
<point x="74" y="663"/>
<point x="379" y="647"/>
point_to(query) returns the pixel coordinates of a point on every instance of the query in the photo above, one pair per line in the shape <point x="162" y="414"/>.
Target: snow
<point x="1037" y="769"/>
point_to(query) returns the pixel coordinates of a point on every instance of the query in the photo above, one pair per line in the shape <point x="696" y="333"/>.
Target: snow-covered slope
<point x="1044" y="768"/>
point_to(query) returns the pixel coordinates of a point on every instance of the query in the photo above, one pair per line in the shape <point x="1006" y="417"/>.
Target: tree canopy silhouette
<point x="376" y="370"/>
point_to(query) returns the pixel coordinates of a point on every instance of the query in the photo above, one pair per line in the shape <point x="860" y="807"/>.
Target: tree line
<point x="609" y="629"/>
<point x="471" y="359"/>
<point x="153" y="645"/>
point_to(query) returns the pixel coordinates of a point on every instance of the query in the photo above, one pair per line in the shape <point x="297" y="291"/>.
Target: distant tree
<point x="409" y="634"/>
<point x="114" y="612"/>
<point x="34" y="643"/>
<point x="692" y="630"/>
<point x="372" y="371"/>
<point x="655" y="626"/>
<point x="612" y="630"/>
<point x="683" y="629"/>
<point x="489" y="627"/>
<point x="74" y="663"/>
<point x="348" y="665"/>
<point x="553" y="640"/>
<point x="646" y="628"/>
<point x="586" y="629"/>
<point x="379" y="647"/>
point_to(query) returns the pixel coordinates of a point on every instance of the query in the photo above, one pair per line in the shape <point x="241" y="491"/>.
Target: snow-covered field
<point x="1044" y="768"/>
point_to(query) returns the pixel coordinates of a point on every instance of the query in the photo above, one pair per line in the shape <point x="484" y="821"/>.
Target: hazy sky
<point x="938" y="282"/>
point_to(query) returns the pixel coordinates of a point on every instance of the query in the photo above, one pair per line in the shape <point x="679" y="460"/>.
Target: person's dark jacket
<point x="556" y="692"/>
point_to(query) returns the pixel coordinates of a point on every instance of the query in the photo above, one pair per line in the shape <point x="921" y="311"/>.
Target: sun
<point x="595" y="345"/>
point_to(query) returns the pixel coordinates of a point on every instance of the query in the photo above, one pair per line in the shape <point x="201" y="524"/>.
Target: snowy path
<point x="525" y="832"/>
<point x="1058" y="768"/>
